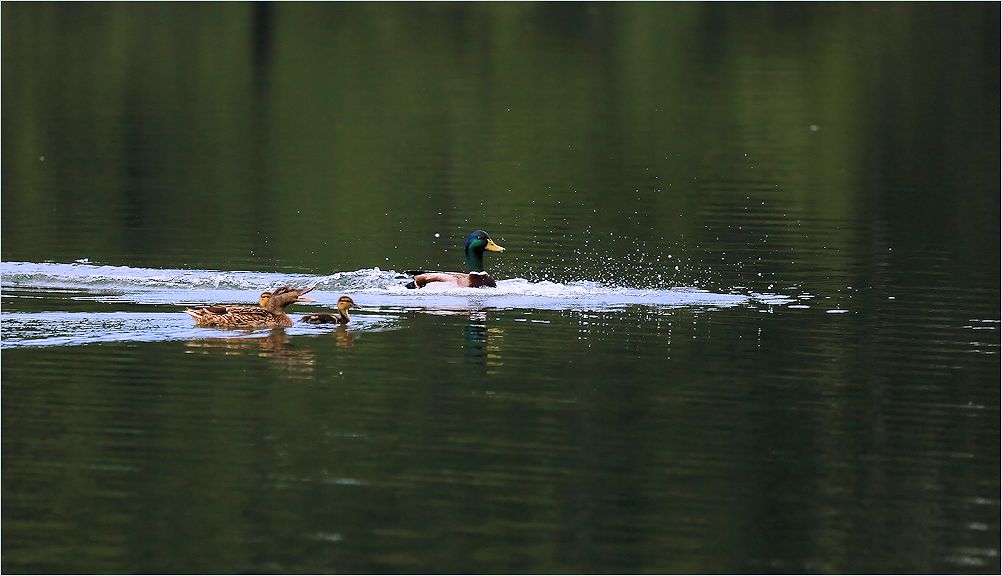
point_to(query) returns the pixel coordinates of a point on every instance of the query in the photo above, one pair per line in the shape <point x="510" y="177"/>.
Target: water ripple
<point x="381" y="288"/>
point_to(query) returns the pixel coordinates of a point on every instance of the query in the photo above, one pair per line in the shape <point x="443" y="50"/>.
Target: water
<point x="381" y="291"/>
<point x="747" y="320"/>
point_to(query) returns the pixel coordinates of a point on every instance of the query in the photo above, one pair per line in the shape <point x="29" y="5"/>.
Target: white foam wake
<point x="370" y="287"/>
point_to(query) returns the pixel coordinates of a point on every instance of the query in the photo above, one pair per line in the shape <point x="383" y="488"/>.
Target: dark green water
<point x="748" y="317"/>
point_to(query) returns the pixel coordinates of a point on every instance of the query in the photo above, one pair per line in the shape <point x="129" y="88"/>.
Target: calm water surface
<point x="747" y="321"/>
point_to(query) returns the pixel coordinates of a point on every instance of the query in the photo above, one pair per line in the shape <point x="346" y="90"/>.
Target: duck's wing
<point x="205" y="311"/>
<point x="452" y="278"/>
<point x="231" y="315"/>
<point x="250" y="312"/>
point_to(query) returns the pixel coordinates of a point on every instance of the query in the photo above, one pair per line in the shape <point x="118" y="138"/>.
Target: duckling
<point x="339" y="317"/>
<point x="476" y="243"/>
<point x="270" y="311"/>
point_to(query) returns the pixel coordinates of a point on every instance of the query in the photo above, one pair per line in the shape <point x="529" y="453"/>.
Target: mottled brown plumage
<point x="270" y="311"/>
<point x="339" y="317"/>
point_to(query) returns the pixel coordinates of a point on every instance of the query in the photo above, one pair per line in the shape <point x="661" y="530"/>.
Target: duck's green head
<point x="476" y="243"/>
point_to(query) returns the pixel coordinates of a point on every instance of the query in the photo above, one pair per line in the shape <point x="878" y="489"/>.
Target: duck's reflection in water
<point x="299" y="361"/>
<point x="343" y="337"/>
<point x="484" y="343"/>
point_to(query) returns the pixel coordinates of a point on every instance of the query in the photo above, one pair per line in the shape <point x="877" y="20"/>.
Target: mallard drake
<point x="339" y="317"/>
<point x="269" y="312"/>
<point x="476" y="243"/>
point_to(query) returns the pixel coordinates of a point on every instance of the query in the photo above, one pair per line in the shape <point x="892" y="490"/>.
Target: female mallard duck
<point x="476" y="243"/>
<point x="270" y="312"/>
<point x="339" y="317"/>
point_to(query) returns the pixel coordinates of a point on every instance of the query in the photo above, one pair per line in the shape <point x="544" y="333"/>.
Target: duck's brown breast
<point x="481" y="281"/>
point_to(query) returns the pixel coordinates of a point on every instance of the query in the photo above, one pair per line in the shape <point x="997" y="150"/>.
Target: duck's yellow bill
<point x="493" y="247"/>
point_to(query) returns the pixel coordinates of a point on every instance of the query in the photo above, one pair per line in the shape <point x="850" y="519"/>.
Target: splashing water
<point x="164" y="286"/>
<point x="381" y="292"/>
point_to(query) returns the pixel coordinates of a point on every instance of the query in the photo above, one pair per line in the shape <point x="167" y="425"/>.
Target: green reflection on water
<point x="490" y="442"/>
<point x="821" y="147"/>
<point x="333" y="137"/>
